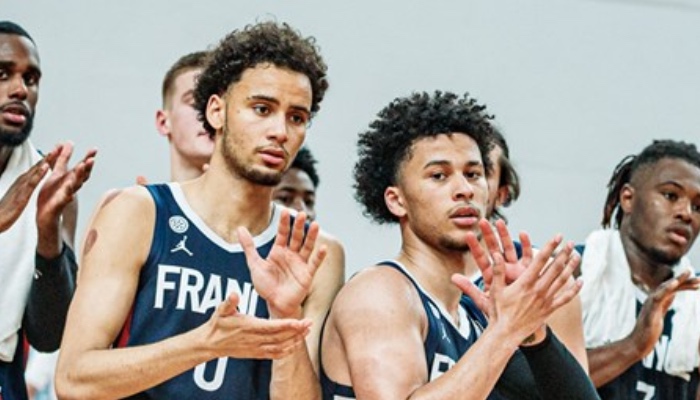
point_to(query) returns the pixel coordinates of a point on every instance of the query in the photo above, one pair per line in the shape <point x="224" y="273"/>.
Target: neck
<point x="433" y="269"/>
<point x="5" y="153"/>
<point x="647" y="273"/>
<point x="182" y="169"/>
<point x="226" y="202"/>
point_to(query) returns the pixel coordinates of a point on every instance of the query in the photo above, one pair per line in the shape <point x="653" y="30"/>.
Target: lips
<point x="15" y="113"/>
<point x="273" y="156"/>
<point x="680" y="234"/>
<point x="465" y="216"/>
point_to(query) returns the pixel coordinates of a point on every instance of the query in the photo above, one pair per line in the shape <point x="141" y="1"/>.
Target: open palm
<point x="284" y="278"/>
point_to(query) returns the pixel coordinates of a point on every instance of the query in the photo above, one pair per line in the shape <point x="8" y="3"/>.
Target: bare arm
<point x="610" y="361"/>
<point x="113" y="253"/>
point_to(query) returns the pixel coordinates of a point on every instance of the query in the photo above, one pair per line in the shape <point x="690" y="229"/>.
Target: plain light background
<point x="575" y="85"/>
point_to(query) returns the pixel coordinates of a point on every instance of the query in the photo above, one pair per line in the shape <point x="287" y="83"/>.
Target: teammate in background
<point x="504" y="188"/>
<point x="641" y="307"/>
<point x="221" y="279"/>
<point x="191" y="146"/>
<point x="297" y="189"/>
<point x="402" y="329"/>
<point x="38" y="213"/>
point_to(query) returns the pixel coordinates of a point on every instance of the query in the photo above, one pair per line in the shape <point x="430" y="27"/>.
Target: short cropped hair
<point x="629" y="166"/>
<point x="306" y="162"/>
<point x="9" y="27"/>
<point x="266" y="42"/>
<point x="388" y="142"/>
<point x="188" y="62"/>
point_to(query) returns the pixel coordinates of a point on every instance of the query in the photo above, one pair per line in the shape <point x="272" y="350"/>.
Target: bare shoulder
<point x="378" y="290"/>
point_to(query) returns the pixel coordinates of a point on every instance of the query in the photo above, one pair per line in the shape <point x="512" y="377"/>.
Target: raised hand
<point x="523" y="296"/>
<point x="502" y="243"/>
<point x="650" y="322"/>
<point x="238" y="335"/>
<point x="15" y="200"/>
<point x="284" y="278"/>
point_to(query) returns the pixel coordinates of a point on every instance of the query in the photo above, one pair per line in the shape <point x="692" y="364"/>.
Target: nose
<point x="18" y="88"/>
<point x="463" y="189"/>
<point x="684" y="209"/>
<point x="278" y="129"/>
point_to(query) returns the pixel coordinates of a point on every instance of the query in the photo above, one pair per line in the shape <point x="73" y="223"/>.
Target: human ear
<point x="394" y="201"/>
<point x="626" y="197"/>
<point x="216" y="111"/>
<point x="163" y="123"/>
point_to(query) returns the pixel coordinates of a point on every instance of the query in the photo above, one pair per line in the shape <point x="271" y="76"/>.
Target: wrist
<point x="296" y="313"/>
<point x="536" y="337"/>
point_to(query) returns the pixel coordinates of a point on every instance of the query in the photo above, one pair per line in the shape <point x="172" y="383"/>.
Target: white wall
<point x="575" y="85"/>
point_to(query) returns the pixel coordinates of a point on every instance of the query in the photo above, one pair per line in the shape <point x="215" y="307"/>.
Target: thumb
<point x="230" y="306"/>
<point x="141" y="180"/>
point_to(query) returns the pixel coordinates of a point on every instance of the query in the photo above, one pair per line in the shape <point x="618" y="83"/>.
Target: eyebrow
<point x="277" y="102"/>
<point x="472" y="163"/>
<point x="12" y="64"/>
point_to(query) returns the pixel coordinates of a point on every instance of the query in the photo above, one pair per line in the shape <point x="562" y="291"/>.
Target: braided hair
<point x="628" y="167"/>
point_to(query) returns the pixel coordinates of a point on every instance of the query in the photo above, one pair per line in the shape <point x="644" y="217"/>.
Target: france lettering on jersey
<point x="189" y="271"/>
<point x="647" y="380"/>
<point x="444" y="344"/>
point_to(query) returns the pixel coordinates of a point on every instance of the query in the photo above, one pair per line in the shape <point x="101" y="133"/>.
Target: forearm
<point x="293" y="377"/>
<point x="607" y="362"/>
<point x="475" y="375"/>
<point x="557" y="373"/>
<point x="122" y="372"/>
<point x="49" y="298"/>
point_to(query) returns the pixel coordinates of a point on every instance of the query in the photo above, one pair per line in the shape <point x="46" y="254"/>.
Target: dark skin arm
<point x="610" y="361"/>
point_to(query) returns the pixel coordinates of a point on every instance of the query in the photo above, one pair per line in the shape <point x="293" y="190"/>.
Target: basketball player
<point x="646" y="345"/>
<point x="189" y="289"/>
<point x="402" y="329"/>
<point x="38" y="212"/>
<point x="297" y="189"/>
<point x="190" y="144"/>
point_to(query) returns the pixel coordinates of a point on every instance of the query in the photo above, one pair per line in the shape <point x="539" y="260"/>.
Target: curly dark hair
<point x="265" y="42"/>
<point x="399" y="125"/>
<point x="627" y="168"/>
<point x="306" y="162"/>
<point x="509" y="176"/>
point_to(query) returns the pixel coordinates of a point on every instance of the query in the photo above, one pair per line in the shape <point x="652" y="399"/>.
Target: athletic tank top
<point x="646" y="380"/>
<point x="189" y="271"/>
<point x="444" y="343"/>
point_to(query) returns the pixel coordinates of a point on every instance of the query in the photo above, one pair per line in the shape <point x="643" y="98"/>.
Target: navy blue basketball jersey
<point x="647" y="380"/>
<point x="444" y="344"/>
<point x="189" y="271"/>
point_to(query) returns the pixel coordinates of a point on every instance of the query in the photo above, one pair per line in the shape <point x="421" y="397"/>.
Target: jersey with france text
<point x="189" y="271"/>
<point x="444" y="344"/>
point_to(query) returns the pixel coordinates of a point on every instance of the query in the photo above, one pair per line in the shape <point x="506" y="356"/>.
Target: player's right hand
<point x="232" y="334"/>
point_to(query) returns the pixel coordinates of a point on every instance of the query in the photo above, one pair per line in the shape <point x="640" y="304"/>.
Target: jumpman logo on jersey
<point x="181" y="246"/>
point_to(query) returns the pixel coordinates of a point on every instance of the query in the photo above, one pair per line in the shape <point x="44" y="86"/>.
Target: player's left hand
<point x="284" y="278"/>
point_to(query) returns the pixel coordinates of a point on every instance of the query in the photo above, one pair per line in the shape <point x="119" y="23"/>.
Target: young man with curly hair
<point x="646" y="345"/>
<point x="205" y="289"/>
<point x="404" y="328"/>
